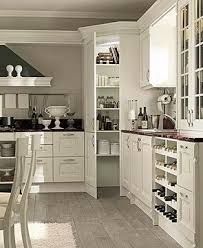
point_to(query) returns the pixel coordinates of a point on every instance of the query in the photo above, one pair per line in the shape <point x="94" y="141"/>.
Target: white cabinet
<point x="145" y="148"/>
<point x="44" y="152"/>
<point x="69" y="169"/>
<point x="144" y="58"/>
<point x="90" y="164"/>
<point x="126" y="161"/>
<point x="190" y="66"/>
<point x="186" y="165"/>
<point x="68" y="144"/>
<point x="186" y="212"/>
<point x="136" y="166"/>
<point x="136" y="169"/>
<point x="44" y="170"/>
<point x="46" y="137"/>
<point x="158" y="52"/>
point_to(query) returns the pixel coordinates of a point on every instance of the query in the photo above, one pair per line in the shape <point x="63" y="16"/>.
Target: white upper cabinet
<point x="158" y="52"/>
<point x="144" y="59"/>
<point x="190" y="65"/>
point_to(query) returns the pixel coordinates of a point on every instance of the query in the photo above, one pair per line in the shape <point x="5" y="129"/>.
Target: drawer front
<point x="70" y="169"/>
<point x="44" y="152"/>
<point x="7" y="137"/>
<point x="68" y="144"/>
<point x="44" y="170"/>
<point x="46" y="137"/>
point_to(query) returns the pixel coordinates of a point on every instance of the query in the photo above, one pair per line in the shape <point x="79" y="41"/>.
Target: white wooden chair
<point x="19" y="212"/>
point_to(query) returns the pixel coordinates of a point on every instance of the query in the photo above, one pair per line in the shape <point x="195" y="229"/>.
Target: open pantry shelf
<point x="173" y="172"/>
<point x="165" y="153"/>
<point x="108" y="109"/>
<point x="174" y="189"/>
<point x="108" y="87"/>
<point x="108" y="155"/>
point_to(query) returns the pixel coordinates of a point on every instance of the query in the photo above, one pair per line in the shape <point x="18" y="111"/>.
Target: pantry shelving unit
<point x="165" y="176"/>
<point x="107" y="164"/>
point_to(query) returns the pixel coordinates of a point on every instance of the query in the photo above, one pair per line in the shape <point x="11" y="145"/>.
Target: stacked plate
<point x="7" y="150"/>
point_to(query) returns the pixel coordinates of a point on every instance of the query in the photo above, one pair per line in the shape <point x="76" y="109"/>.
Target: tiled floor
<point x="110" y="222"/>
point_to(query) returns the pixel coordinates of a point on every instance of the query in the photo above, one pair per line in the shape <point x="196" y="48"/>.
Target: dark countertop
<point x="40" y="130"/>
<point x="170" y="135"/>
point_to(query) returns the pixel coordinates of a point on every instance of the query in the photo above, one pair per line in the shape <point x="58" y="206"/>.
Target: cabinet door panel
<point x="136" y="168"/>
<point x="46" y="138"/>
<point x="70" y="169"/>
<point x="186" y="165"/>
<point x="44" y="152"/>
<point x="186" y="207"/>
<point x="144" y="58"/>
<point x="44" y="170"/>
<point x="147" y="174"/>
<point x="125" y="167"/>
<point x="68" y="144"/>
<point x="90" y="164"/>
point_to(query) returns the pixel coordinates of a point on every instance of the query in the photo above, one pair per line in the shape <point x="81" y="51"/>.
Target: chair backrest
<point x="21" y="152"/>
<point x="35" y="146"/>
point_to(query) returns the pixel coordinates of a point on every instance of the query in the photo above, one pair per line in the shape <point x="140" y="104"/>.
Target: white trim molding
<point x="40" y="37"/>
<point x="69" y="14"/>
<point x="25" y="81"/>
<point x="108" y="29"/>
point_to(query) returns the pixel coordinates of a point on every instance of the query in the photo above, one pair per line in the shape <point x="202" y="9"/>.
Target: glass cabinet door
<point x="198" y="59"/>
<point x="184" y="39"/>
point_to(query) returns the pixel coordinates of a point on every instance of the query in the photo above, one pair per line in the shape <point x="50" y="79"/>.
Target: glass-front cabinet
<point x="198" y="62"/>
<point x="190" y="57"/>
<point x="184" y="54"/>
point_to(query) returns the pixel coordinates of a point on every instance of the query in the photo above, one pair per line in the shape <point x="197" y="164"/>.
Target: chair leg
<point x="25" y="230"/>
<point x="13" y="242"/>
<point x="7" y="237"/>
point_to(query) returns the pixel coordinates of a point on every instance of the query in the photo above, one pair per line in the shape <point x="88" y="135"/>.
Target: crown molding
<point x="114" y="28"/>
<point x="69" y="14"/>
<point x="40" y="37"/>
<point x="152" y="14"/>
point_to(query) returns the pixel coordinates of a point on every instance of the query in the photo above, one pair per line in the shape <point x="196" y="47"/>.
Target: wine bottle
<point x="99" y="121"/>
<point x="145" y="119"/>
<point x="139" y="120"/>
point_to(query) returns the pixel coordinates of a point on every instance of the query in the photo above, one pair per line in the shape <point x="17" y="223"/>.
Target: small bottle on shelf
<point x="139" y="120"/>
<point x="145" y="119"/>
<point x="99" y="121"/>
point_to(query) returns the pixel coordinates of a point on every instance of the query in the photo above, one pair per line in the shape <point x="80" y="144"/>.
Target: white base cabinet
<point x="69" y="169"/>
<point x="136" y="167"/>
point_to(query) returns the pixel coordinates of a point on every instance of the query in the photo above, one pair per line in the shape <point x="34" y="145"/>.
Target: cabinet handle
<point x="93" y="141"/>
<point x="191" y="118"/>
<point x="68" y="134"/>
<point x="188" y="118"/>
<point x="181" y="146"/>
<point x="147" y="75"/>
<point x="69" y="160"/>
<point x="128" y="142"/>
<point x="92" y="123"/>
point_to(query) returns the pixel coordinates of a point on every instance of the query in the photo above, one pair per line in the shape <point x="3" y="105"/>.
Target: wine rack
<point x="165" y="178"/>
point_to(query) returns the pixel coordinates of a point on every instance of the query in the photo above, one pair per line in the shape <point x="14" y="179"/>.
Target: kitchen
<point x="118" y="105"/>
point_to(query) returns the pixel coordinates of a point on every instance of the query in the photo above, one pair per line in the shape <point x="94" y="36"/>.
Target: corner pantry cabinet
<point x="104" y="81"/>
<point x="190" y="65"/>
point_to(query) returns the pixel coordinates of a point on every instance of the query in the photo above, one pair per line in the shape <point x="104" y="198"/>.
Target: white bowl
<point x="56" y="111"/>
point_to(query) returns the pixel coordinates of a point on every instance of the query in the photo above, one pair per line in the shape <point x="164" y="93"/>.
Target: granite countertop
<point x="40" y="130"/>
<point x="170" y="135"/>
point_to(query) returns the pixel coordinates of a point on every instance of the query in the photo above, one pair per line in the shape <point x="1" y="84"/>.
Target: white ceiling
<point x="128" y="9"/>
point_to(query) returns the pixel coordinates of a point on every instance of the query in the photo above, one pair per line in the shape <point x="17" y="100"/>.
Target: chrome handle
<point x="93" y="141"/>
<point x="69" y="160"/>
<point x="191" y="118"/>
<point x="68" y="134"/>
<point x="147" y="75"/>
<point x="92" y="123"/>
<point x="128" y="142"/>
<point x="188" y="118"/>
<point x="139" y="145"/>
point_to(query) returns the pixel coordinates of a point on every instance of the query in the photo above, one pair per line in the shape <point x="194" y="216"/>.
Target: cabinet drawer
<point x="44" y="152"/>
<point x="44" y="170"/>
<point x="186" y="212"/>
<point x="46" y="138"/>
<point x="7" y="137"/>
<point x="68" y="144"/>
<point x="70" y="169"/>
